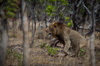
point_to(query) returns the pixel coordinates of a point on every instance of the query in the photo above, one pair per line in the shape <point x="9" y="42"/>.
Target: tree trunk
<point x="33" y="31"/>
<point x="73" y="17"/>
<point x="25" y="36"/>
<point x="92" y="37"/>
<point x="74" y="24"/>
<point x="92" y="52"/>
<point x="3" y="43"/>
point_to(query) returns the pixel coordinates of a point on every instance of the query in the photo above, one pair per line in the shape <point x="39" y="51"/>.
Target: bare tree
<point x="25" y="35"/>
<point x="4" y="41"/>
<point x="92" y="30"/>
<point x="33" y="30"/>
<point x="33" y="22"/>
<point x="92" y="37"/>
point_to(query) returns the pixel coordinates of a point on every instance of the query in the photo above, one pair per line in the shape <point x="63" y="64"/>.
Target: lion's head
<point x="55" y="28"/>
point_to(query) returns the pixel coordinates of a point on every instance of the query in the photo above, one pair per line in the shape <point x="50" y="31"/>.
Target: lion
<point x="68" y="37"/>
<point x="42" y="34"/>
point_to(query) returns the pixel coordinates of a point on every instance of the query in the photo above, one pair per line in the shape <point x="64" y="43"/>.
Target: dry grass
<point x="39" y="56"/>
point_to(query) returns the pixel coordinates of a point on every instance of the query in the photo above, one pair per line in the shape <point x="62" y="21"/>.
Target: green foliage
<point x="10" y="14"/>
<point x="10" y="8"/>
<point x="66" y="18"/>
<point x="81" y="52"/>
<point x="50" y="9"/>
<point x="9" y="51"/>
<point x="29" y="0"/>
<point x="15" y="1"/>
<point x="18" y="55"/>
<point x="61" y="14"/>
<point x="52" y="1"/>
<point x="70" y="23"/>
<point x="51" y="6"/>
<point x="42" y="1"/>
<point x="13" y="5"/>
<point x="15" y="35"/>
<point x="43" y="45"/>
<point x="1" y="0"/>
<point x="64" y="2"/>
<point x="98" y="1"/>
<point x="52" y="51"/>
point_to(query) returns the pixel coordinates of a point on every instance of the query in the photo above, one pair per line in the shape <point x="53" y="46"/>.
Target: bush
<point x="43" y="45"/>
<point x="81" y="52"/>
<point x="52" y="51"/>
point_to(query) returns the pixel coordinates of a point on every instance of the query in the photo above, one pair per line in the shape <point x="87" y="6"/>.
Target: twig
<point x="79" y="3"/>
<point x="85" y="7"/>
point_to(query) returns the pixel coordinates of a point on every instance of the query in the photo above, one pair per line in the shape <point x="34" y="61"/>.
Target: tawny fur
<point x="42" y="34"/>
<point x="68" y="37"/>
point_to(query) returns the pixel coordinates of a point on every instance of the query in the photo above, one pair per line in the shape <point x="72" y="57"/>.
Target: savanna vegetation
<point x="24" y="41"/>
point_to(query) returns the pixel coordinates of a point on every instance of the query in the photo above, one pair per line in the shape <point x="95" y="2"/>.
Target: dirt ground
<point x="40" y="57"/>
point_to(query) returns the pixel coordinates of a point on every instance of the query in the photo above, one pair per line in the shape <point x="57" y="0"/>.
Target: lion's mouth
<point x="50" y="34"/>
